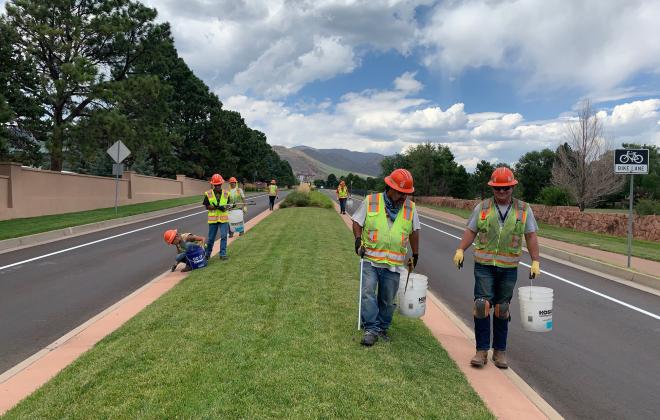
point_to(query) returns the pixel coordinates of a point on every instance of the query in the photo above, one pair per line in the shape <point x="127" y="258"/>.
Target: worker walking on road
<point x="383" y="226"/>
<point x="236" y="199"/>
<point x="273" y="193"/>
<point x="342" y="196"/>
<point x="499" y="224"/>
<point x="216" y="201"/>
<point x="182" y="241"/>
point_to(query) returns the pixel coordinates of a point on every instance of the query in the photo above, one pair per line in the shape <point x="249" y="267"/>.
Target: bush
<point x="554" y="196"/>
<point x="646" y="207"/>
<point x="307" y="199"/>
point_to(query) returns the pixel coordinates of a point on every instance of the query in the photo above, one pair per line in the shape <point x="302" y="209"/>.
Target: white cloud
<point x="593" y="44"/>
<point x="388" y="121"/>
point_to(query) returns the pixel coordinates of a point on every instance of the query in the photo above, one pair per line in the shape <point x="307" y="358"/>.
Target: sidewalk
<point x="647" y="267"/>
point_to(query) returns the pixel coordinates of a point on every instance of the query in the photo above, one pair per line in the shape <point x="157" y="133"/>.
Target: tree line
<point x="77" y="75"/>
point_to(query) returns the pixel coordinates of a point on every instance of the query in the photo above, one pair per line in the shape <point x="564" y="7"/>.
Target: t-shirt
<point x="530" y="223"/>
<point x="360" y="215"/>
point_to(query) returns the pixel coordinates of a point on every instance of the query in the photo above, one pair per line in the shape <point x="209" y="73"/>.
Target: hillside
<point x="348" y="160"/>
<point x="319" y="163"/>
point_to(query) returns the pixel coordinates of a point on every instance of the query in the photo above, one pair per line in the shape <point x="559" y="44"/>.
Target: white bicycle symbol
<point x="631" y="157"/>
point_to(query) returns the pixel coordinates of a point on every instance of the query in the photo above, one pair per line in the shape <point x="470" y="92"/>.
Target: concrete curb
<point x="579" y="261"/>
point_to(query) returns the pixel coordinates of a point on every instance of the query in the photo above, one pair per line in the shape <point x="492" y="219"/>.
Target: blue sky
<point x="491" y="79"/>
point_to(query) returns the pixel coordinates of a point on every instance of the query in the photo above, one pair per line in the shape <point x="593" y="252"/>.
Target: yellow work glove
<point x="535" y="270"/>
<point x="458" y="258"/>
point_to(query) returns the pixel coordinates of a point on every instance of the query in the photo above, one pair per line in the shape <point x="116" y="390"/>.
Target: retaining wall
<point x="644" y="227"/>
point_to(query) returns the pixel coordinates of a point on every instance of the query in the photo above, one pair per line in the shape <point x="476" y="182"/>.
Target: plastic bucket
<point x="236" y="221"/>
<point x="196" y="257"/>
<point x="412" y="300"/>
<point x="536" y="308"/>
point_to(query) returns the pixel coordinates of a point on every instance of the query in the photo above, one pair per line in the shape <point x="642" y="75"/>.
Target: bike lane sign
<point x="631" y="161"/>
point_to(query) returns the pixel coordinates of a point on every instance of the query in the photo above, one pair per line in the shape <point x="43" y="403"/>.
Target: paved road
<point x="602" y="360"/>
<point x="44" y="299"/>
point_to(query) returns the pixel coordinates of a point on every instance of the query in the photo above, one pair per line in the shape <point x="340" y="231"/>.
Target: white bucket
<point x="536" y="308"/>
<point x="236" y="220"/>
<point x="412" y="301"/>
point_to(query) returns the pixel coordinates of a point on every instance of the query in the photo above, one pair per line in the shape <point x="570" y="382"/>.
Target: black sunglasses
<point x="501" y="188"/>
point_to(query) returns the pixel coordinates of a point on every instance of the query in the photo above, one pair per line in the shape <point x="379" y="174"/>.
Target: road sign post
<point x="118" y="152"/>
<point x="631" y="161"/>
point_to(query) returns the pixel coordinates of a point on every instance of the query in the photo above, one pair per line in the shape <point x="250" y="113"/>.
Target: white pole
<point x="117" y="180"/>
<point x="630" y="220"/>
<point x="359" y="321"/>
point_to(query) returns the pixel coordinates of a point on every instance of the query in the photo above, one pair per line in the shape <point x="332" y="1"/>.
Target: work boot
<point x="384" y="336"/>
<point x="369" y="338"/>
<point x="186" y="269"/>
<point x="499" y="359"/>
<point x="224" y="257"/>
<point x="480" y="358"/>
<point x="174" y="267"/>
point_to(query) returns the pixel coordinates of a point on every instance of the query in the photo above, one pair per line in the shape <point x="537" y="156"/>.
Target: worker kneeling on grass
<point x="383" y="226"/>
<point x="183" y="242"/>
<point x="499" y="225"/>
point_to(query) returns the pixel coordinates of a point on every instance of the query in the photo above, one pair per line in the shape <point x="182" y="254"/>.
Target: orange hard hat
<point x="272" y="181"/>
<point x="401" y="180"/>
<point x="502" y="177"/>
<point x="232" y="179"/>
<point x="169" y="236"/>
<point x="216" y="179"/>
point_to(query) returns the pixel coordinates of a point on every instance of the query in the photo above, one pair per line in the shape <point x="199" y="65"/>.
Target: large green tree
<point x="534" y="172"/>
<point x="80" y="49"/>
<point x="481" y="177"/>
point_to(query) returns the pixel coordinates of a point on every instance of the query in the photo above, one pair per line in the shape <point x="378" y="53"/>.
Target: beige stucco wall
<point x="28" y="192"/>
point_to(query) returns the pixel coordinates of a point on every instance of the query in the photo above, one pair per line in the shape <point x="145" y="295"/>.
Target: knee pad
<point x="481" y="308"/>
<point x="502" y="310"/>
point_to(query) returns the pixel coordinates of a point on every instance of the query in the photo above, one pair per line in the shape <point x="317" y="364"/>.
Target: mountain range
<point x="319" y="163"/>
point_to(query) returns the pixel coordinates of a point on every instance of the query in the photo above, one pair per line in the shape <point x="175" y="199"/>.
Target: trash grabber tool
<point x="410" y="269"/>
<point x="359" y="321"/>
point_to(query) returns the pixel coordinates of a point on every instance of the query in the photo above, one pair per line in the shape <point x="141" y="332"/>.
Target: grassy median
<point x="640" y="248"/>
<point x="269" y="333"/>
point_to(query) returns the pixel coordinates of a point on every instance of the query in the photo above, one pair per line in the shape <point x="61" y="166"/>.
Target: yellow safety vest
<point x="382" y="243"/>
<point x="272" y="190"/>
<point x="217" y="216"/>
<point x="501" y="247"/>
<point x="342" y="192"/>
<point x="235" y="195"/>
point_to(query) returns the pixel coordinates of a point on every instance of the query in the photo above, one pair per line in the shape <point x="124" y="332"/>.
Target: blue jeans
<point x="495" y="284"/>
<point x="342" y="205"/>
<point x="378" y="309"/>
<point x="213" y="231"/>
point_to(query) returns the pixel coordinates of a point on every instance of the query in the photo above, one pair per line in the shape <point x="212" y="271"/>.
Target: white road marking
<point x="106" y="239"/>
<point x="595" y="292"/>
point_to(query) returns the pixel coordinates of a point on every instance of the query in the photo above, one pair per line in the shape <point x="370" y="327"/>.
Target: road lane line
<point x="595" y="292"/>
<point x="105" y="239"/>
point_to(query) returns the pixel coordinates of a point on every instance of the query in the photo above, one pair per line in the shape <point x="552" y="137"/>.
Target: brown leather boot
<point x="499" y="359"/>
<point x="480" y="358"/>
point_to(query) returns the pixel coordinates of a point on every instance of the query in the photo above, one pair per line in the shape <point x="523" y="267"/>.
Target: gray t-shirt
<point x="530" y="224"/>
<point x="360" y="216"/>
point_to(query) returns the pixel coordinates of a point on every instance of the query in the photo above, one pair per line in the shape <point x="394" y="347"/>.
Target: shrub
<point x="554" y="196"/>
<point x="646" y="207"/>
<point x="307" y="199"/>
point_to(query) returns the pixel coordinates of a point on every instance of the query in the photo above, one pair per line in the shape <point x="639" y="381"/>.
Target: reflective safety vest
<point x="272" y="190"/>
<point x="500" y="246"/>
<point x="342" y="192"/>
<point x="382" y="243"/>
<point x="235" y="195"/>
<point x="217" y="216"/>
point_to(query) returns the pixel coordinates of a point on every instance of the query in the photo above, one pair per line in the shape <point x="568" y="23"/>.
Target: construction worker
<point x="273" y="193"/>
<point x="383" y="226"/>
<point x="182" y="241"/>
<point x="499" y="224"/>
<point x="216" y="201"/>
<point x="236" y="198"/>
<point x="342" y="196"/>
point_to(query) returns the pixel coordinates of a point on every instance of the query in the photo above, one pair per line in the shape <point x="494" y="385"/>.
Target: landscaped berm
<point x="269" y="333"/>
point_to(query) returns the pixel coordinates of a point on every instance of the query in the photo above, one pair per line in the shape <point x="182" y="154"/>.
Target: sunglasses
<point x="501" y="188"/>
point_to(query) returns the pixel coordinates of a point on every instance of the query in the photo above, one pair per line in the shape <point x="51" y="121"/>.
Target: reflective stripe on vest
<point x="342" y="192"/>
<point x="217" y="216"/>
<point x="384" y="243"/>
<point x="497" y="245"/>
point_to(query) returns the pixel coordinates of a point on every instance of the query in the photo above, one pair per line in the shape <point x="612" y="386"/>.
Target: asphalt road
<point x="42" y="300"/>
<point x="602" y="358"/>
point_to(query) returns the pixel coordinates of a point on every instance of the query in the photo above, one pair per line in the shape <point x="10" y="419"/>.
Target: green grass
<point x="640" y="248"/>
<point x="307" y="199"/>
<point x="14" y="228"/>
<point x="268" y="333"/>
